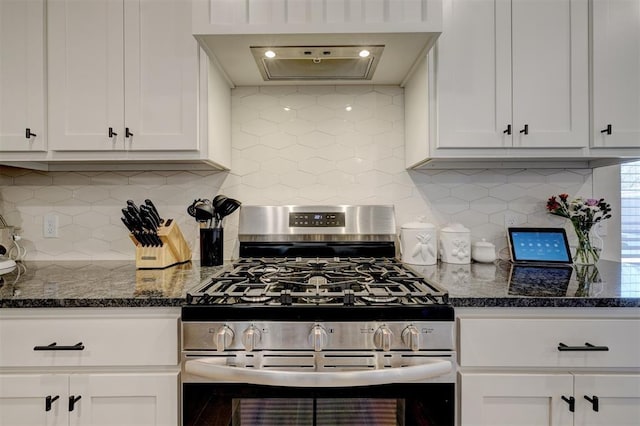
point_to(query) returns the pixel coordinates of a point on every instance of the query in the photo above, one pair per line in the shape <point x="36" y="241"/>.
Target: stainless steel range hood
<point x="317" y="62"/>
<point x="316" y="58"/>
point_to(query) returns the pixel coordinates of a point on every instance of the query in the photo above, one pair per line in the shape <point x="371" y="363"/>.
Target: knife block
<point x="174" y="248"/>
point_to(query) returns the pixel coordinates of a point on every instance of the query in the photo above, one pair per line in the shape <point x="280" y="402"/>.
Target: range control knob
<point x="382" y="338"/>
<point x="224" y="338"/>
<point x="318" y="337"/>
<point x="411" y="337"/>
<point x="251" y="337"/>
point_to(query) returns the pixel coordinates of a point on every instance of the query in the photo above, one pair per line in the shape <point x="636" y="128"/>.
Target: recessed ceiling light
<point x="270" y="54"/>
<point x="364" y="53"/>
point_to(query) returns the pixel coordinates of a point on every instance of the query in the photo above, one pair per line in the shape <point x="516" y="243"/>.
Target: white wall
<point x="314" y="152"/>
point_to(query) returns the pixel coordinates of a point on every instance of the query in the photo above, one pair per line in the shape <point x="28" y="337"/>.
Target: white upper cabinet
<point x="123" y="75"/>
<point x="22" y="76"/>
<point x="512" y="74"/>
<point x="616" y="73"/>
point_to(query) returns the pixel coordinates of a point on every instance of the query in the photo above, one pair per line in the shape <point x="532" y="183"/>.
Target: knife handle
<point x="154" y="210"/>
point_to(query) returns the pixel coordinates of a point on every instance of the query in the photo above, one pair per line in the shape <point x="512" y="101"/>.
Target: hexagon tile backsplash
<point x="291" y="145"/>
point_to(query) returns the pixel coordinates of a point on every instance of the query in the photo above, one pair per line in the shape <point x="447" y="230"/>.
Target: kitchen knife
<point x="148" y="222"/>
<point x="136" y="225"/>
<point x="132" y="229"/>
<point x="147" y="212"/>
<point x="154" y="210"/>
<point x="135" y="213"/>
<point x="130" y="203"/>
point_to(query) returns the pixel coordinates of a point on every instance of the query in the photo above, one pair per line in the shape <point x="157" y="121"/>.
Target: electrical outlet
<point x="50" y="226"/>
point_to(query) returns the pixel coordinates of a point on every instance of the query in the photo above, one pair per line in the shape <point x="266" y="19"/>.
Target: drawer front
<point x="509" y="342"/>
<point x="105" y="341"/>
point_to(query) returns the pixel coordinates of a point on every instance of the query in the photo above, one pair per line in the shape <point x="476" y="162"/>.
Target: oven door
<point x="340" y="389"/>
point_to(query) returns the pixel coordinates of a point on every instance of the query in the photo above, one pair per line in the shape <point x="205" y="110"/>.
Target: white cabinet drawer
<point x="124" y="337"/>
<point x="510" y="342"/>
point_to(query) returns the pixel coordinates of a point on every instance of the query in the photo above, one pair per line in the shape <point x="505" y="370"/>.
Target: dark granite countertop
<point x="501" y="284"/>
<point x="119" y="284"/>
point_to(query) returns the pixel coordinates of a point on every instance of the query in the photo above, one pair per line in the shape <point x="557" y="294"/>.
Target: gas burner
<point x="318" y="282"/>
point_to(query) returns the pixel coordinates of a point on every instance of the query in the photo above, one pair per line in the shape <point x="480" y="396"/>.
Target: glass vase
<point x="589" y="247"/>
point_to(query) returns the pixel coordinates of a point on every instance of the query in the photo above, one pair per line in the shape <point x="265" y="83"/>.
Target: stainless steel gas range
<point x="317" y="323"/>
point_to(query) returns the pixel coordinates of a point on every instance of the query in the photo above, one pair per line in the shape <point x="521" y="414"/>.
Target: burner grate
<point x="317" y="282"/>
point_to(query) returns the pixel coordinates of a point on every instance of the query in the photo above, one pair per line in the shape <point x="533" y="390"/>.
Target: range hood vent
<point x="283" y="63"/>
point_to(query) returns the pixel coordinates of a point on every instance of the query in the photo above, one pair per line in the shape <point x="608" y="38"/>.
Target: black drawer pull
<point x="507" y="131"/>
<point x="72" y="401"/>
<point x="525" y="129"/>
<point x="571" y="401"/>
<point x="51" y="399"/>
<point x="28" y="133"/>
<point x="587" y="347"/>
<point x="595" y="402"/>
<point x="54" y="347"/>
<point x="607" y="130"/>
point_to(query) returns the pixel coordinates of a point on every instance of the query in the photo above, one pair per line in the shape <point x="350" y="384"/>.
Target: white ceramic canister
<point x="483" y="251"/>
<point x="455" y="244"/>
<point x="418" y="243"/>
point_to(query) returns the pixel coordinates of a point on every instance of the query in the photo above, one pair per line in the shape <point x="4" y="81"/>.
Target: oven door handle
<point x="216" y="369"/>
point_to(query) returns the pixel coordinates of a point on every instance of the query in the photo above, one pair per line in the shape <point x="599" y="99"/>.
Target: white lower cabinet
<point x="34" y="399"/>
<point x="134" y="399"/>
<point x="607" y="399"/>
<point x="549" y="367"/>
<point x="98" y="367"/>
<point x="547" y="399"/>
<point x="512" y="399"/>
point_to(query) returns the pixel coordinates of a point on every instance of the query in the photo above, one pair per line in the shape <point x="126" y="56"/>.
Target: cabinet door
<point x="23" y="399"/>
<point x="515" y="399"/>
<point x="22" y="65"/>
<point x="473" y="72"/>
<point x="124" y="399"/>
<point x="161" y="75"/>
<point x="616" y="73"/>
<point x="86" y="87"/>
<point x="550" y="73"/>
<point x="618" y="399"/>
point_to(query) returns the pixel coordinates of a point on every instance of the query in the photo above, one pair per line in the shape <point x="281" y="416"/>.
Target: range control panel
<point x="333" y="219"/>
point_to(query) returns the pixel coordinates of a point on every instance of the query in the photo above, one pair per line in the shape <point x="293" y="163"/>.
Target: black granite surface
<point x="119" y="284"/>
<point x="502" y="284"/>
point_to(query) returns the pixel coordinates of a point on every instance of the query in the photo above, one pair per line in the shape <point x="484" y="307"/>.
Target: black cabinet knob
<point x="507" y="130"/>
<point x="112" y="133"/>
<point x="608" y="130"/>
<point x="525" y="129"/>
<point x="28" y="134"/>
<point x="127" y="133"/>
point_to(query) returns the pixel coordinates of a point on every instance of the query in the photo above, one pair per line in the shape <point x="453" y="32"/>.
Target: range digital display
<point x="317" y="219"/>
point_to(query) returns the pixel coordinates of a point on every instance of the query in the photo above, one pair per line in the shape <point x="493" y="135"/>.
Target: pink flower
<point x="591" y="202"/>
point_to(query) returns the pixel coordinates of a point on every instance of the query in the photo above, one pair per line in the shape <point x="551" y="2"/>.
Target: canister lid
<point x="483" y="243"/>
<point x="418" y="225"/>
<point x="455" y="227"/>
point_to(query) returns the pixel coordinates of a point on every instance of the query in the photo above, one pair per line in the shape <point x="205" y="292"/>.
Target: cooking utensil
<point x="229" y="206"/>
<point x="204" y="212"/>
<point x="218" y="200"/>
<point x="192" y="208"/>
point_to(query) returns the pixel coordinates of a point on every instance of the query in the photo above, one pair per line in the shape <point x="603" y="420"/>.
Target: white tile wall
<point x="291" y="145"/>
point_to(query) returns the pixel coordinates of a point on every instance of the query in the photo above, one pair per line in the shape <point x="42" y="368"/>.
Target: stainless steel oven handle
<point x="216" y="370"/>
